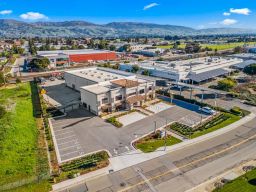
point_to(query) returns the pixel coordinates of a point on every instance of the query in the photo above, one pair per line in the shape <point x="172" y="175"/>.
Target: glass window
<point x="119" y="97"/>
<point x="104" y="100"/>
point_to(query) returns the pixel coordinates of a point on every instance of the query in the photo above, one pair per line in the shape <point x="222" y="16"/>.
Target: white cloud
<point x="5" y="12"/>
<point x="228" y="22"/>
<point x="33" y="16"/>
<point x="243" y="11"/>
<point x="150" y="6"/>
<point x="226" y="14"/>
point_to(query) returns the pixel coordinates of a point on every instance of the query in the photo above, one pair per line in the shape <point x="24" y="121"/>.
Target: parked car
<point x="41" y="80"/>
<point x="208" y="110"/>
<point x="52" y="79"/>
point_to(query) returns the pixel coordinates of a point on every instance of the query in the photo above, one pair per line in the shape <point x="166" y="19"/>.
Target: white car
<point x="208" y="110"/>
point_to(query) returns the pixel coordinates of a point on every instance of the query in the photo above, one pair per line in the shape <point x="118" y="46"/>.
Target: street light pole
<point x="165" y="135"/>
<point x="202" y="98"/>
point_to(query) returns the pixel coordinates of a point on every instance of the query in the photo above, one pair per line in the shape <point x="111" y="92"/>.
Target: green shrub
<point x="236" y="111"/>
<point x="2" y="111"/>
<point x="85" y="162"/>
<point x="114" y="122"/>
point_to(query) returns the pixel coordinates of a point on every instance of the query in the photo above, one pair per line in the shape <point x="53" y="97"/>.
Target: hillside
<point x="13" y="28"/>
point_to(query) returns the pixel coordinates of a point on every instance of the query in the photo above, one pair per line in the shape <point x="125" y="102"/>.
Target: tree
<point x="135" y="68"/>
<point x="238" y="49"/>
<point x="251" y="69"/>
<point x="81" y="47"/>
<point x="146" y="72"/>
<point x="192" y="47"/>
<point x="32" y="47"/>
<point x="18" y="81"/>
<point x="226" y="84"/>
<point x="40" y="63"/>
<point x="112" y="47"/>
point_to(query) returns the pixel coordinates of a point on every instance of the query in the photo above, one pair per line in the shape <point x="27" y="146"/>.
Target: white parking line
<point x="65" y="137"/>
<point x="64" y="133"/>
<point x="66" y="154"/>
<point x="75" y="140"/>
<point x="73" y="146"/>
<point x="61" y="129"/>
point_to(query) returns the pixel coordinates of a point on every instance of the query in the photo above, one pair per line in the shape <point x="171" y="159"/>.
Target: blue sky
<point x="192" y="13"/>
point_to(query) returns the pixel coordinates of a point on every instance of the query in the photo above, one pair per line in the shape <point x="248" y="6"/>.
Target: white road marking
<point x="75" y="142"/>
<point x="65" y="137"/>
<point x="146" y="180"/>
<point x="73" y="146"/>
<point x="65" y="154"/>
<point x="64" y="133"/>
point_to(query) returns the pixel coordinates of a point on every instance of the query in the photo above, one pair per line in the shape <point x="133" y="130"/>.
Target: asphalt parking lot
<point x="80" y="132"/>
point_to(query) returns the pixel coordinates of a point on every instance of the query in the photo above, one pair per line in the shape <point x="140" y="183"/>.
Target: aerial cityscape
<point x="128" y="96"/>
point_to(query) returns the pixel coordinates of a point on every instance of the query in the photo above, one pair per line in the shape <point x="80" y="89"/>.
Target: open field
<point x="246" y="182"/>
<point x="212" y="46"/>
<point x="22" y="159"/>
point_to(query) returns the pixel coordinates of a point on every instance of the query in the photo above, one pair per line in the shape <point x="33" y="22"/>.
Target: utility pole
<point x="155" y="127"/>
<point x="202" y="98"/>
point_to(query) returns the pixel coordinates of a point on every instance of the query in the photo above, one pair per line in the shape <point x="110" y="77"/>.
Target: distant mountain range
<point x="14" y="28"/>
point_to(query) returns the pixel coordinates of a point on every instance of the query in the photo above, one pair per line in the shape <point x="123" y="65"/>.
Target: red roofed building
<point x="63" y="58"/>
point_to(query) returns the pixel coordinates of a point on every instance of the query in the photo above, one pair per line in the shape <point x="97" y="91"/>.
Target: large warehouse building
<point x="63" y="58"/>
<point x="192" y="70"/>
<point x="105" y="90"/>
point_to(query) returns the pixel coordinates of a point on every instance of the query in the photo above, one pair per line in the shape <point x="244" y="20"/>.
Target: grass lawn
<point x="152" y="142"/>
<point x="19" y="154"/>
<point x="225" y="45"/>
<point x="165" y="46"/>
<point x="232" y="118"/>
<point x="38" y="187"/>
<point x="212" y="46"/>
<point x="244" y="183"/>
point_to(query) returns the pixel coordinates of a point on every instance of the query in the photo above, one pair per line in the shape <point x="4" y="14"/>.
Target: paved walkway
<point x="131" y="118"/>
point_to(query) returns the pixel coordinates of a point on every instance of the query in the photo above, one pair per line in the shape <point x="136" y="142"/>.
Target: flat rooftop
<point x="99" y="74"/>
<point x="104" y="87"/>
<point x="244" y="55"/>
<point x="197" y="65"/>
<point x="71" y="52"/>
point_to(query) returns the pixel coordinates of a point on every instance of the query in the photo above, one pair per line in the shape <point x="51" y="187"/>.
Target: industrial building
<point x="189" y="71"/>
<point x="63" y="58"/>
<point x="105" y="90"/>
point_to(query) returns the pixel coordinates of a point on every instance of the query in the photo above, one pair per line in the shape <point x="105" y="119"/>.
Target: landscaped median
<point x="154" y="141"/>
<point x="221" y="120"/>
<point x="83" y="165"/>
<point x="218" y="122"/>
